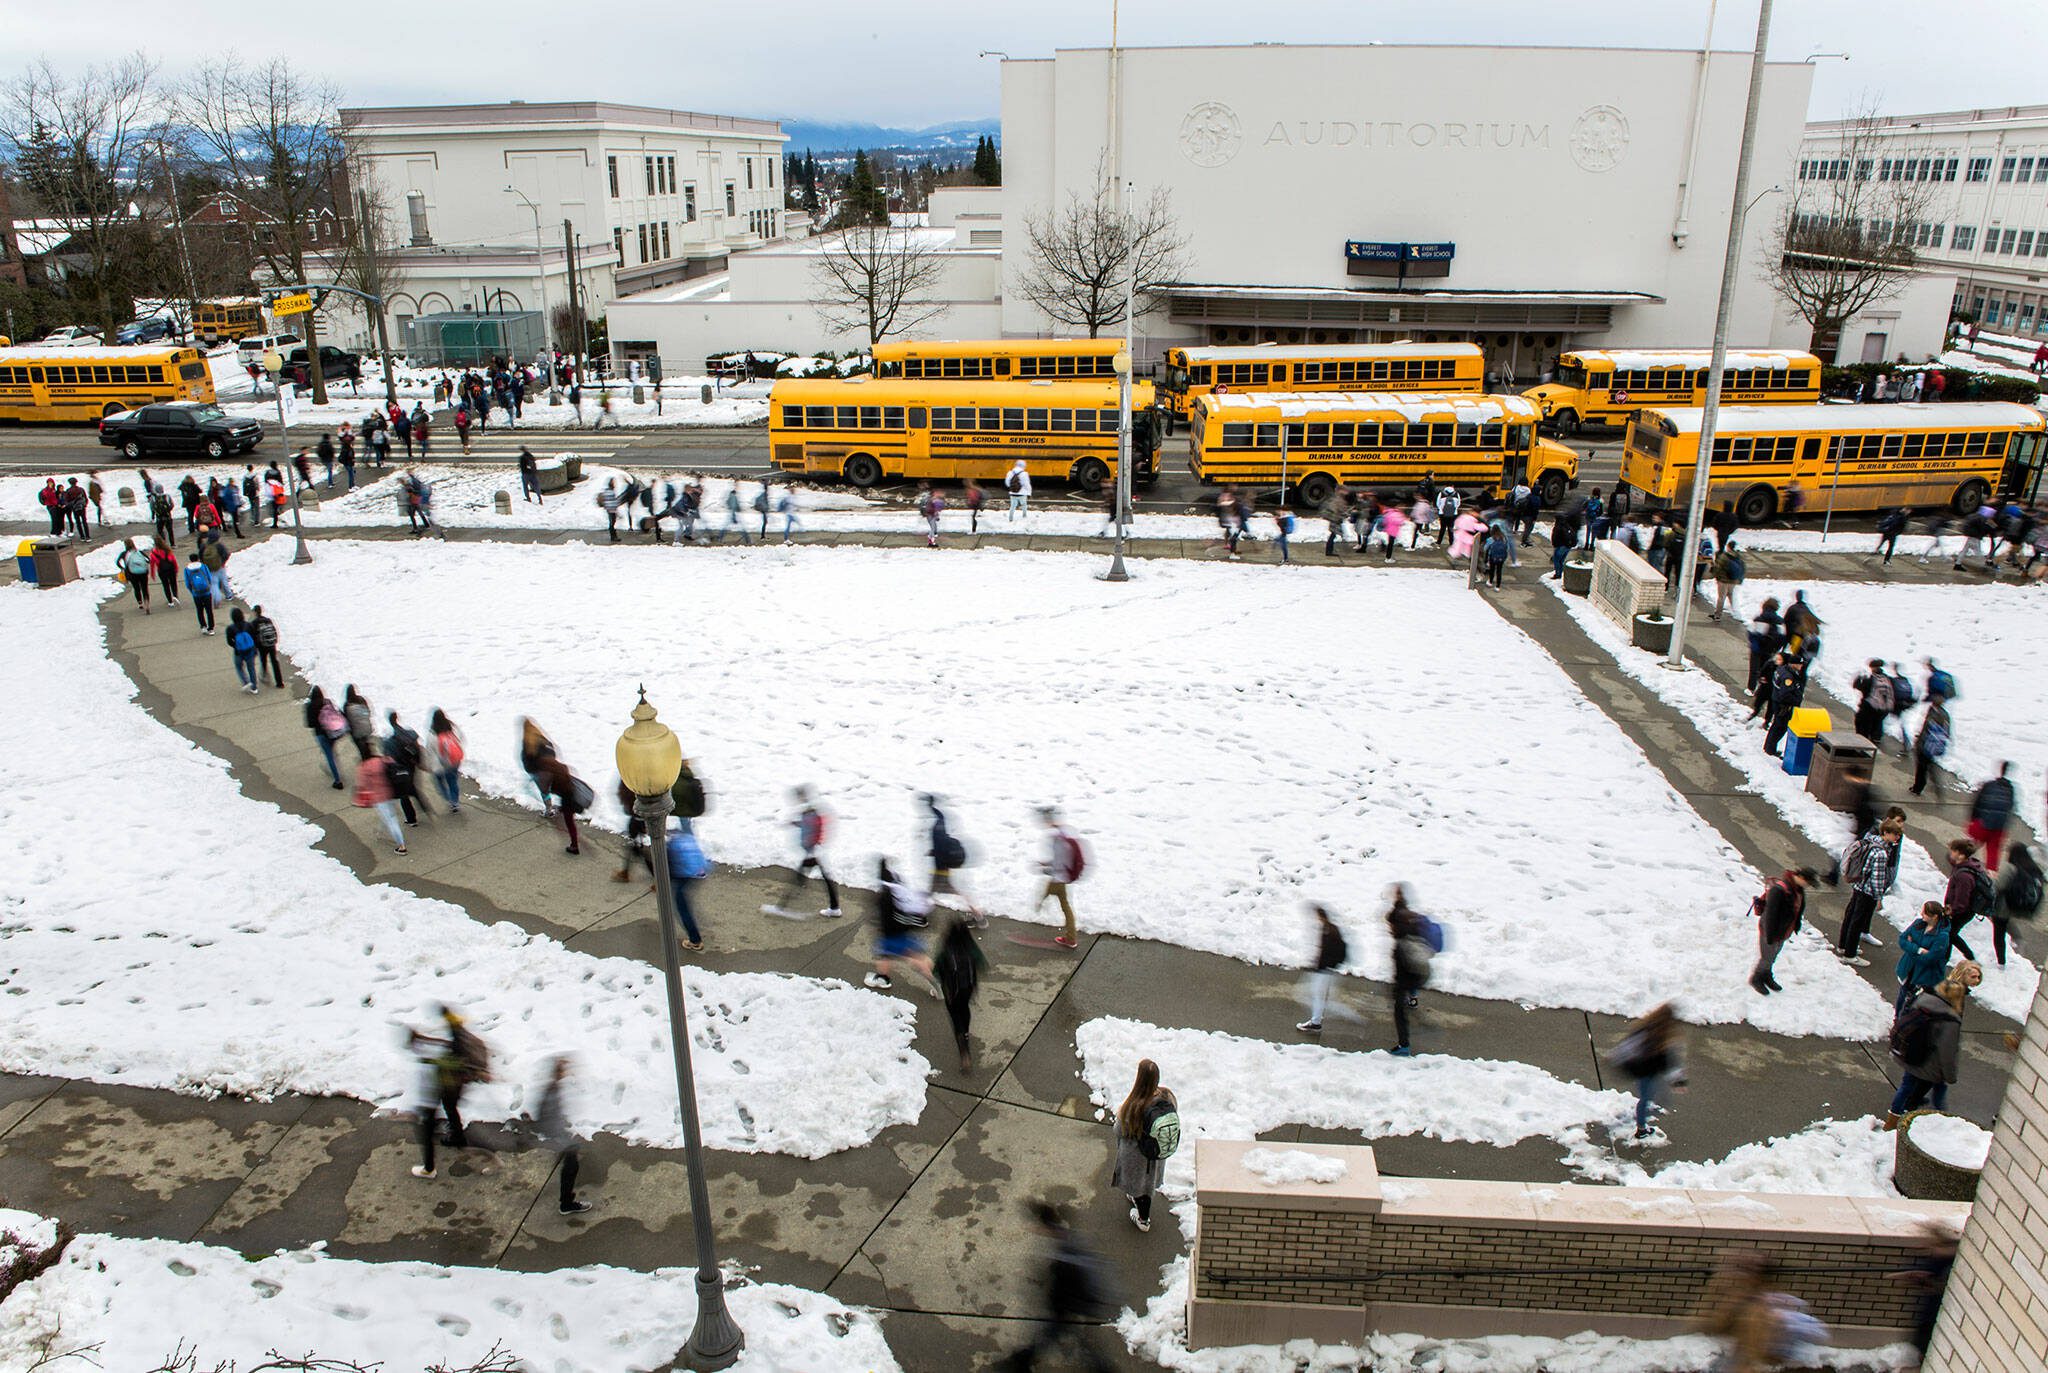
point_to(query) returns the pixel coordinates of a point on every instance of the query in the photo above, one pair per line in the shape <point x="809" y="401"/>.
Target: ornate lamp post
<point x="650" y="759"/>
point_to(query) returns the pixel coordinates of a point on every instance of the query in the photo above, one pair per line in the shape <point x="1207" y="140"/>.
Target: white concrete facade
<point x="1582" y="212"/>
<point x="1984" y="176"/>
<point x="651" y="196"/>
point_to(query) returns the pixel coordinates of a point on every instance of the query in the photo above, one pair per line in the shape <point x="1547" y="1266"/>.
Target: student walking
<point x="786" y="507"/>
<point x="958" y="968"/>
<point x="1283" y="530"/>
<point x="133" y="565"/>
<point x="974" y="498"/>
<point x="1930" y="745"/>
<point x="1330" y="956"/>
<point x="900" y="912"/>
<point x="1927" y="1040"/>
<point x="931" y="505"/>
<point x="1063" y="865"/>
<point x="1923" y="953"/>
<point x="551" y="1119"/>
<point x="448" y="755"/>
<point x="265" y="630"/>
<point x="687" y="865"/>
<point x="199" y="586"/>
<point x="1653" y="1054"/>
<point x="2019" y="898"/>
<point x="610" y="500"/>
<point x="242" y="643"/>
<point x="948" y="855"/>
<point x="1990" y="815"/>
<point x="1778" y="912"/>
<point x="564" y="793"/>
<point x="1766" y="637"/>
<point x="1971" y="892"/>
<point x="1873" y="700"/>
<point x="402" y="748"/>
<point x="1018" y="484"/>
<point x="1336" y="512"/>
<point x="1416" y="941"/>
<point x="811" y="825"/>
<point x="1870" y="866"/>
<point x="163" y="562"/>
<point x="1147" y="1134"/>
<point x="374" y="792"/>
<point x="361" y="727"/>
<point x="327" y="725"/>
<point x="1076" y="1298"/>
<point x="454" y="1059"/>
<point x="529" y="476"/>
<point x="1730" y="570"/>
<point x="733" y="523"/>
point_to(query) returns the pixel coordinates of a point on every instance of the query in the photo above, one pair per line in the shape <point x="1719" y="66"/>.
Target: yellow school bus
<point x="1437" y="368"/>
<point x="1606" y="386"/>
<point x="1021" y="359"/>
<point x="1852" y="457"/>
<point x="1318" y="441"/>
<point x="865" y="429"/>
<point x="227" y="318"/>
<point x="88" y="384"/>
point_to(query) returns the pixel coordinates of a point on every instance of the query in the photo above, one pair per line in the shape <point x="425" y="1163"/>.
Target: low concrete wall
<point x="1337" y="1260"/>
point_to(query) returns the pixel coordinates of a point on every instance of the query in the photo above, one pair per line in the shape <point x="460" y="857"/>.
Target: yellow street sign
<point x="296" y="303"/>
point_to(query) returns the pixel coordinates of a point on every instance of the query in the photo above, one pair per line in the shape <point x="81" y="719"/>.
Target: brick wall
<point x="1273" y="1263"/>
<point x="1995" y="1316"/>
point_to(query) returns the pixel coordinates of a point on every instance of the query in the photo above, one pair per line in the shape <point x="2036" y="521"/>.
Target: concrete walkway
<point x="924" y="1223"/>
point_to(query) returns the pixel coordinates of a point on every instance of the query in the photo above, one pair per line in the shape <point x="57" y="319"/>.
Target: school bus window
<point x="1344" y="435"/>
<point x="1201" y="375"/>
<point x="1237" y="436"/>
<point x="1318" y="436"/>
<point x="1107" y="421"/>
<point x="1013" y="420"/>
<point x="892" y="417"/>
<point x="1442" y="435"/>
<point x="1468" y="436"/>
<point x="1061" y="422"/>
<point x="1891" y="445"/>
<point x="1294" y="436"/>
<point x="1489" y="435"/>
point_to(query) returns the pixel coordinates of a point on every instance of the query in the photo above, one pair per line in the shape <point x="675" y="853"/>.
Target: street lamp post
<point x="273" y="363"/>
<point x="1122" y="364"/>
<point x="650" y="759"/>
<point x="540" y="270"/>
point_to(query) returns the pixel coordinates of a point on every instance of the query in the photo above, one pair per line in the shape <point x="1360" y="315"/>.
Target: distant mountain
<point x="822" y="138"/>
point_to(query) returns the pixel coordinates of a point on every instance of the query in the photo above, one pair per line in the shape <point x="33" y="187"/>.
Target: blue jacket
<point x="199" y="582"/>
<point x="1926" y="955"/>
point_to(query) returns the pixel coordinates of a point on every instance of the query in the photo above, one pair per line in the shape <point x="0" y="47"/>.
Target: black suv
<point x="183" y="427"/>
<point x="336" y="364"/>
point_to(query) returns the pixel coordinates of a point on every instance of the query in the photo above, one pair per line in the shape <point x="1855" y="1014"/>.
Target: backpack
<point x="1165" y="1132"/>
<point x="810" y="830"/>
<point x="1934" y="739"/>
<point x="1010" y="482"/>
<point x="1738" y="570"/>
<point x="266" y="633"/>
<point x="1880" y="693"/>
<point x="1411" y="959"/>
<point x="243" y="641"/>
<point x="1856" y="859"/>
<point x="1077" y="857"/>
<point x="331" y="722"/>
<point x="473" y="1055"/>
<point x="1940" y="680"/>
<point x="1983" y="894"/>
<point x="1912" y="1036"/>
<point x="688" y="795"/>
<point x="2023" y="892"/>
<point x="580" y="796"/>
<point x="761" y="501"/>
<point x="451" y="748"/>
<point x="686" y="856"/>
<point x="405" y="749"/>
<point x="1432" y="933"/>
<point x="1903" y="695"/>
<point x="951" y="853"/>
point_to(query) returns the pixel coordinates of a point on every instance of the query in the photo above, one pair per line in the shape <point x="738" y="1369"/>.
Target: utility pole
<point x="576" y="344"/>
<point x="1731" y="266"/>
<point x="373" y="274"/>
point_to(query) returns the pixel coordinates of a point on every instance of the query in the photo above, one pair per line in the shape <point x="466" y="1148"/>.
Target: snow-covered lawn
<point x="1992" y="638"/>
<point x="1230" y="1087"/>
<point x="139" y="1299"/>
<point x="164" y="930"/>
<point x="1231" y="742"/>
<point x="1724" y="722"/>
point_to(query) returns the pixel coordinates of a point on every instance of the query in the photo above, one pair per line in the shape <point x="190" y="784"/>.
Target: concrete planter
<point x="1654" y="635"/>
<point x="1920" y="1175"/>
<point x="1578" y="579"/>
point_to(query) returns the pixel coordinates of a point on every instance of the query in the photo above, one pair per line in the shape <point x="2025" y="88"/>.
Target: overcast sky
<point x="914" y="62"/>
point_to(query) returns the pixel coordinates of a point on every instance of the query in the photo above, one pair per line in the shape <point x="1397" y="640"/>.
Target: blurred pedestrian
<point x="1329" y="959"/>
<point x="1778" y="911"/>
<point x="1063" y="865"/>
<point x="1971" y="892"/>
<point x="362" y="726"/>
<point x="567" y="794"/>
<point x="402" y="750"/>
<point x="453" y="1058"/>
<point x="327" y="725"/>
<point x="1991" y="813"/>
<point x="687" y="865"/>
<point x="2019" y="898"/>
<point x="957" y="968"/>
<point x="1147" y="1134"/>
<point x="374" y="792"/>
<point x="1652" y="1053"/>
<point x="242" y="643"/>
<point x="265" y="630"/>
<point x="900" y="912"/>
<point x="1077" y="1298"/>
<point x="1737" y="1310"/>
<point x="551" y="1118"/>
<point x="133" y="565"/>
<point x="948" y="855"/>
<point x="1416" y="941"/>
<point x="448" y="755"/>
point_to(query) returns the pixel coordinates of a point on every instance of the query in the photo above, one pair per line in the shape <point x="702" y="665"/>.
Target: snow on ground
<point x="138" y="1299"/>
<point x="1220" y="778"/>
<point x="1280" y="1167"/>
<point x="145" y="948"/>
<point x="1951" y="1139"/>
<point x="1230" y="1087"/>
<point x="1990" y="636"/>
<point x="1724" y="722"/>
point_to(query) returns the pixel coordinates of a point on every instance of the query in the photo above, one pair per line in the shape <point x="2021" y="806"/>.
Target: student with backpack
<point x="1904" y="698"/>
<point x="1870" y="865"/>
<point x="452" y="1060"/>
<point x="1147" y="1134"/>
<point x="948" y="856"/>
<point x="199" y="585"/>
<point x="242" y="643"/>
<point x="687" y="865"/>
<point x="327" y="725"/>
<point x="1077" y="1297"/>
<point x="762" y="505"/>
<point x="811" y="825"/>
<point x="1873" y="701"/>
<point x="786" y="507"/>
<point x="448" y="757"/>
<point x="1926" y="1040"/>
<point x="1064" y="863"/>
<point x="1971" y="892"/>
<point x="1931" y="743"/>
<point x="265" y="630"/>
<point x="957" y="968"/>
<point x="900" y="912"/>
<point x="1416" y="941"/>
<point x="1890" y="525"/>
<point x="1331" y="954"/>
<point x="1941" y="683"/>
<point x="1018" y="483"/>
<point x="1778" y="911"/>
<point x="374" y="792"/>
<point x="1923" y="953"/>
<point x="2019" y="898"/>
<point x="564" y="793"/>
<point x="402" y="751"/>
<point x="1653" y="1054"/>
<point x="1990" y="814"/>
<point x="133" y="565"/>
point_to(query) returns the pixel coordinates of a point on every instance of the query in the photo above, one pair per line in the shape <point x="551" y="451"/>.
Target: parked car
<point x="145" y="330"/>
<point x="252" y="348"/>
<point x="336" y="364"/>
<point x="182" y="427"/>
<point x="71" y="336"/>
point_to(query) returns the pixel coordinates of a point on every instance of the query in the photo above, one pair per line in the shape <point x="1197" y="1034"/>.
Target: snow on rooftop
<point x="63" y="353"/>
<point x="713" y="287"/>
<point x="1415" y="407"/>
<point x="1642" y="359"/>
<point x="1340" y="351"/>
<point x="1883" y="418"/>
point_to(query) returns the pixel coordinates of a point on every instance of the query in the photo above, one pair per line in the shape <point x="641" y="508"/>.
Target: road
<point x="28" y="450"/>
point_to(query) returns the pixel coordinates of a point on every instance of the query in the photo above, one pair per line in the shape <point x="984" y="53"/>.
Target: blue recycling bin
<point x="1798" y="755"/>
<point x="25" y="560"/>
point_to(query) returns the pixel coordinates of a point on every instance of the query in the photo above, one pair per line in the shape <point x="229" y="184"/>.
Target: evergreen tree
<point x="988" y="163"/>
<point x="866" y="201"/>
<point x="810" y="182"/>
<point x="46" y="168"/>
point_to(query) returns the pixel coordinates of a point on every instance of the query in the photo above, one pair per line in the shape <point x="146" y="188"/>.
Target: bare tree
<point x="77" y="143"/>
<point x="276" y="134"/>
<point x="877" y="281"/>
<point x="1846" y="241"/>
<point x="1078" y="259"/>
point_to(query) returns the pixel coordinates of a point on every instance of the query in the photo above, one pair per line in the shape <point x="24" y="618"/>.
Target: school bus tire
<point x="1566" y="422"/>
<point x="1316" y="488"/>
<point x="863" y="470"/>
<point x="1757" y="505"/>
<point x="111" y="409"/>
<point x="1091" y="474"/>
<point x="1970" y="495"/>
<point x="1550" y="486"/>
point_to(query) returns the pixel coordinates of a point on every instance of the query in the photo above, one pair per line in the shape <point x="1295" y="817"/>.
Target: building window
<point x="2027" y="317"/>
<point x="611" y="170"/>
<point x="689" y="202"/>
<point x="619" y="245"/>
<point x="750" y="171"/>
<point x="2026" y="248"/>
<point x="643" y="242"/>
<point x="2005" y="241"/>
<point x="731" y="200"/>
<point x="773" y="160"/>
<point x="1965" y="238"/>
<point x="1977" y="307"/>
<point x="2026" y="172"/>
<point x="1980" y="169"/>
<point x="416" y="214"/>
<point x="1948" y="169"/>
<point x="2005" y="167"/>
<point x="664" y="239"/>
<point x="671" y="175"/>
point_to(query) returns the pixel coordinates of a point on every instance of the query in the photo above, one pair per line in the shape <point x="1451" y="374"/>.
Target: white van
<point x="252" y="348"/>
